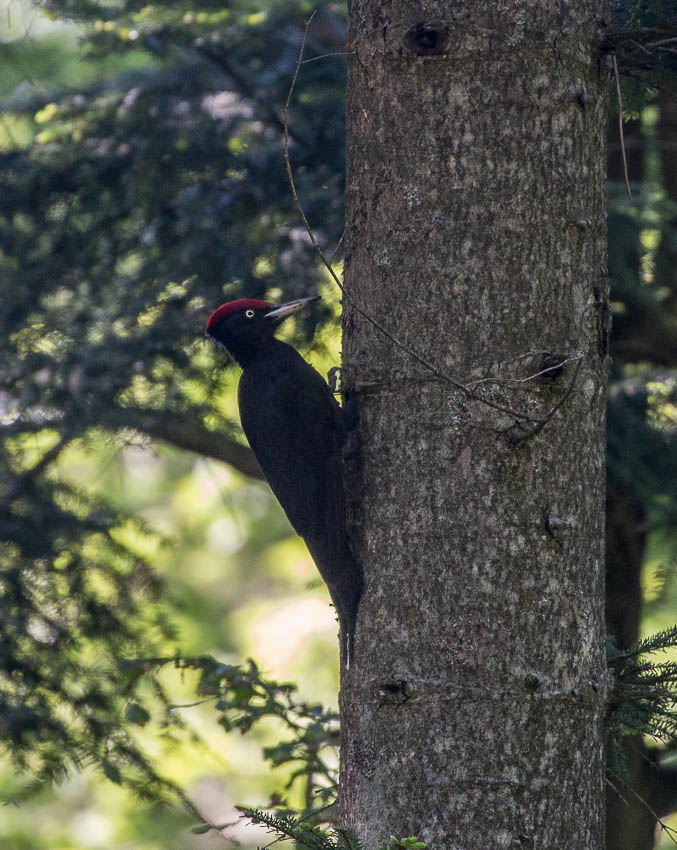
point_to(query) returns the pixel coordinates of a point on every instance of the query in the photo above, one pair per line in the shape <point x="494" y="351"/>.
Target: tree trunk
<point x="472" y="714"/>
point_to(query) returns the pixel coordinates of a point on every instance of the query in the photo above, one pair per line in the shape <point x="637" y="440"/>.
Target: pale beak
<point x="290" y="307"/>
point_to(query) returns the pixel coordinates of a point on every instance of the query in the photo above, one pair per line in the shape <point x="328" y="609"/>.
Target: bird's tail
<point x="342" y="574"/>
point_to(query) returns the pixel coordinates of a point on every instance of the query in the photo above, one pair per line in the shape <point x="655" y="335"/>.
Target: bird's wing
<point x="295" y="429"/>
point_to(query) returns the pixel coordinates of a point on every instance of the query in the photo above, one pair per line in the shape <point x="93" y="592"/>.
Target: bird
<point x="296" y="430"/>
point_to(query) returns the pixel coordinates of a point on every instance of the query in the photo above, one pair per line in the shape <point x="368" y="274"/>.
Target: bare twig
<point x="524" y="435"/>
<point x="338" y="245"/>
<point x="662" y="42"/>
<point x="613" y="788"/>
<point x="520" y="381"/>
<point x="620" y="125"/>
<point x="173" y="706"/>
<point x="327" y="55"/>
<point x="664" y="827"/>
<point x="616" y="35"/>
<point x="640" y="47"/>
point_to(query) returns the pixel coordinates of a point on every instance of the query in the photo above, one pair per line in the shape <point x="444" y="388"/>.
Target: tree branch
<point x="23" y="481"/>
<point x="190" y="435"/>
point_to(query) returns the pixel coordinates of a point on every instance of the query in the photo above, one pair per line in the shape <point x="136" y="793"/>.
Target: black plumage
<point x="295" y="429"/>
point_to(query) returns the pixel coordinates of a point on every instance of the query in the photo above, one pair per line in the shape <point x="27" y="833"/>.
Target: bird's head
<point x="245" y="327"/>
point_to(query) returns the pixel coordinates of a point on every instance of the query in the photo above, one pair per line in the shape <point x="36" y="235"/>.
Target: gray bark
<point x="472" y="714"/>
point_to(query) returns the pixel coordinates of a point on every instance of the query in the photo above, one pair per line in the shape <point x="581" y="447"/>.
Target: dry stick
<point x="327" y="55"/>
<point x="553" y="410"/>
<point x="338" y="245"/>
<point x="664" y="827"/>
<point x="620" y="125"/>
<point x="613" y="788"/>
<point x="539" y="423"/>
<point x="662" y="42"/>
<point x="519" y="381"/>
<point x="640" y="47"/>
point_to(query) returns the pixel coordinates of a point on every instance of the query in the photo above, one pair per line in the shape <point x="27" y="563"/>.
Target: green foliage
<point x="132" y="202"/>
<point x="242" y="698"/>
<point x="303" y="833"/>
<point x="641" y="453"/>
<point x="140" y="204"/>
<point x="73" y="596"/>
<point x="641" y="433"/>
<point x="307" y="835"/>
<point x="644" y="695"/>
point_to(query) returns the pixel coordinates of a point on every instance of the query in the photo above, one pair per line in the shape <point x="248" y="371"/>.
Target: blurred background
<point x="143" y="561"/>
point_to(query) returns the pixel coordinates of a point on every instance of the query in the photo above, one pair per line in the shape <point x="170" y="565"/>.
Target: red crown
<point x="234" y="307"/>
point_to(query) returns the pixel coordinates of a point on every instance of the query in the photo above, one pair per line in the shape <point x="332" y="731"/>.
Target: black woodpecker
<point x="296" y="430"/>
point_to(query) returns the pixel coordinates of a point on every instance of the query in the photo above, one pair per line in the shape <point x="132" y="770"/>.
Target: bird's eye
<point x="249" y="314"/>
